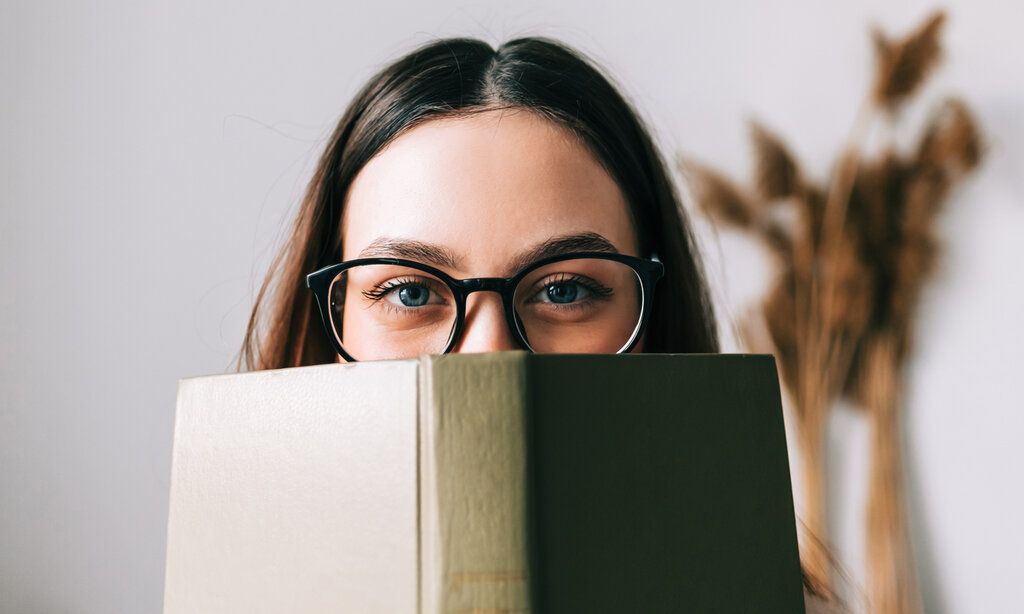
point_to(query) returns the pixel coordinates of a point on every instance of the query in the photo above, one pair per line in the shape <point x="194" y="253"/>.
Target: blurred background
<point x="154" y="153"/>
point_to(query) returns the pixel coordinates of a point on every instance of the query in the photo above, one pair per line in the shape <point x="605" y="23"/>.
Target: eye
<point x="405" y="293"/>
<point x="410" y="295"/>
<point x="568" y="289"/>
<point x="563" y="292"/>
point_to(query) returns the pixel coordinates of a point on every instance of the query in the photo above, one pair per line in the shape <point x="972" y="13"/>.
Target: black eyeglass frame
<point x="649" y="271"/>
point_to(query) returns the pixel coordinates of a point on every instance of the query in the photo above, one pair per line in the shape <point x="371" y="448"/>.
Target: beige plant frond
<point x="776" y="238"/>
<point x="717" y="196"/>
<point x="851" y="311"/>
<point x="917" y="254"/>
<point x="778" y="307"/>
<point x="777" y="174"/>
<point x="902" y="66"/>
<point x="810" y="206"/>
<point x="873" y="201"/>
<point x="952" y="141"/>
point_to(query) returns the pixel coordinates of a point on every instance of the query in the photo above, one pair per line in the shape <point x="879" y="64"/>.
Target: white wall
<point x="151" y="156"/>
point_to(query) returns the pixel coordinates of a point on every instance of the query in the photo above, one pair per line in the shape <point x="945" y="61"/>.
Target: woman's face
<point x="484" y="190"/>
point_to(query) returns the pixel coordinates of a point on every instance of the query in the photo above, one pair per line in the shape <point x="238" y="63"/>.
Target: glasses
<point x="583" y="302"/>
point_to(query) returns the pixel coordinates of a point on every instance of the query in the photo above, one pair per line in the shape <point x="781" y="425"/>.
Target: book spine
<point x="472" y="484"/>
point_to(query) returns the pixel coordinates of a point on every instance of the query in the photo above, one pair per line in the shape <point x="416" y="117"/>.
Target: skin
<point x="486" y="187"/>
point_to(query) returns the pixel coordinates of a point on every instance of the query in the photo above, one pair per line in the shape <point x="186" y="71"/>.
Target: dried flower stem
<point x="891" y="582"/>
<point x="835" y="208"/>
<point x="823" y="357"/>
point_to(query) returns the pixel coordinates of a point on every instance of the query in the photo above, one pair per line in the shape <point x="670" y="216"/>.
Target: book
<point x="492" y="482"/>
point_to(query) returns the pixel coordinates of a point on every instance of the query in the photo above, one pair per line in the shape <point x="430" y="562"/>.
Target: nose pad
<point x="485" y="328"/>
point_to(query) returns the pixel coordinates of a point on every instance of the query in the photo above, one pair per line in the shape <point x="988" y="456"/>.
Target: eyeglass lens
<point x="581" y="305"/>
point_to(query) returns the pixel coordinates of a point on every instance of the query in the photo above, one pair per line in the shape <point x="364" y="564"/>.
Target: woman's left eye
<point x="563" y="292"/>
<point x="409" y="295"/>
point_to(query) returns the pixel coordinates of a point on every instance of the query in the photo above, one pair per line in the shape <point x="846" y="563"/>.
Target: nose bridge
<point x="486" y="284"/>
<point x="486" y="329"/>
<point x="489" y="284"/>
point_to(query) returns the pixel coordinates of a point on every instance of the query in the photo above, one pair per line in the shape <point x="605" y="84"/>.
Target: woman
<point x="459" y="161"/>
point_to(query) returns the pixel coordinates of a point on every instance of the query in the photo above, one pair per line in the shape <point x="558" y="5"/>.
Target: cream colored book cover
<point x="295" y="490"/>
<point x="500" y="482"/>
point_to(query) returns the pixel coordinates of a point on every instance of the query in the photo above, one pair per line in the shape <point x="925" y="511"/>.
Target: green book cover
<point x="500" y="482"/>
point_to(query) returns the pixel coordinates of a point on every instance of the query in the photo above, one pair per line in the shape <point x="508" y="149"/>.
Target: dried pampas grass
<point x="852" y="264"/>
<point x="902" y="66"/>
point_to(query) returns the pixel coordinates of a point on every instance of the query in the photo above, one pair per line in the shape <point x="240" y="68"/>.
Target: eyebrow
<point x="441" y="256"/>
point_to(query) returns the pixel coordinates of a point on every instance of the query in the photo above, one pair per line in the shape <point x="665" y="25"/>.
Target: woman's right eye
<point x="405" y="294"/>
<point x="408" y="295"/>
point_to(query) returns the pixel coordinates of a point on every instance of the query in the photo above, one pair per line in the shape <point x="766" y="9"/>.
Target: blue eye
<point x="562" y="292"/>
<point x="567" y="290"/>
<point x="410" y="294"/>
<point x="413" y="296"/>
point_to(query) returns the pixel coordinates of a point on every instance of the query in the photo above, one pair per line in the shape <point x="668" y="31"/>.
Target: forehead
<point x="485" y="186"/>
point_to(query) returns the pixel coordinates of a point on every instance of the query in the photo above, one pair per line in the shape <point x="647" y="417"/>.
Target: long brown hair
<point x="456" y="77"/>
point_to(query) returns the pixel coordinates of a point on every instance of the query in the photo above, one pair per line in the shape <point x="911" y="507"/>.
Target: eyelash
<point x="380" y="290"/>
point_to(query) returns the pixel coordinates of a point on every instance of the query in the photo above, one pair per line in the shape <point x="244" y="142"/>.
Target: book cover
<point x="499" y="482"/>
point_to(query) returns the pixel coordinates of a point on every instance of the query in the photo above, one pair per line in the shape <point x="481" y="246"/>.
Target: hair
<point x="455" y="77"/>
